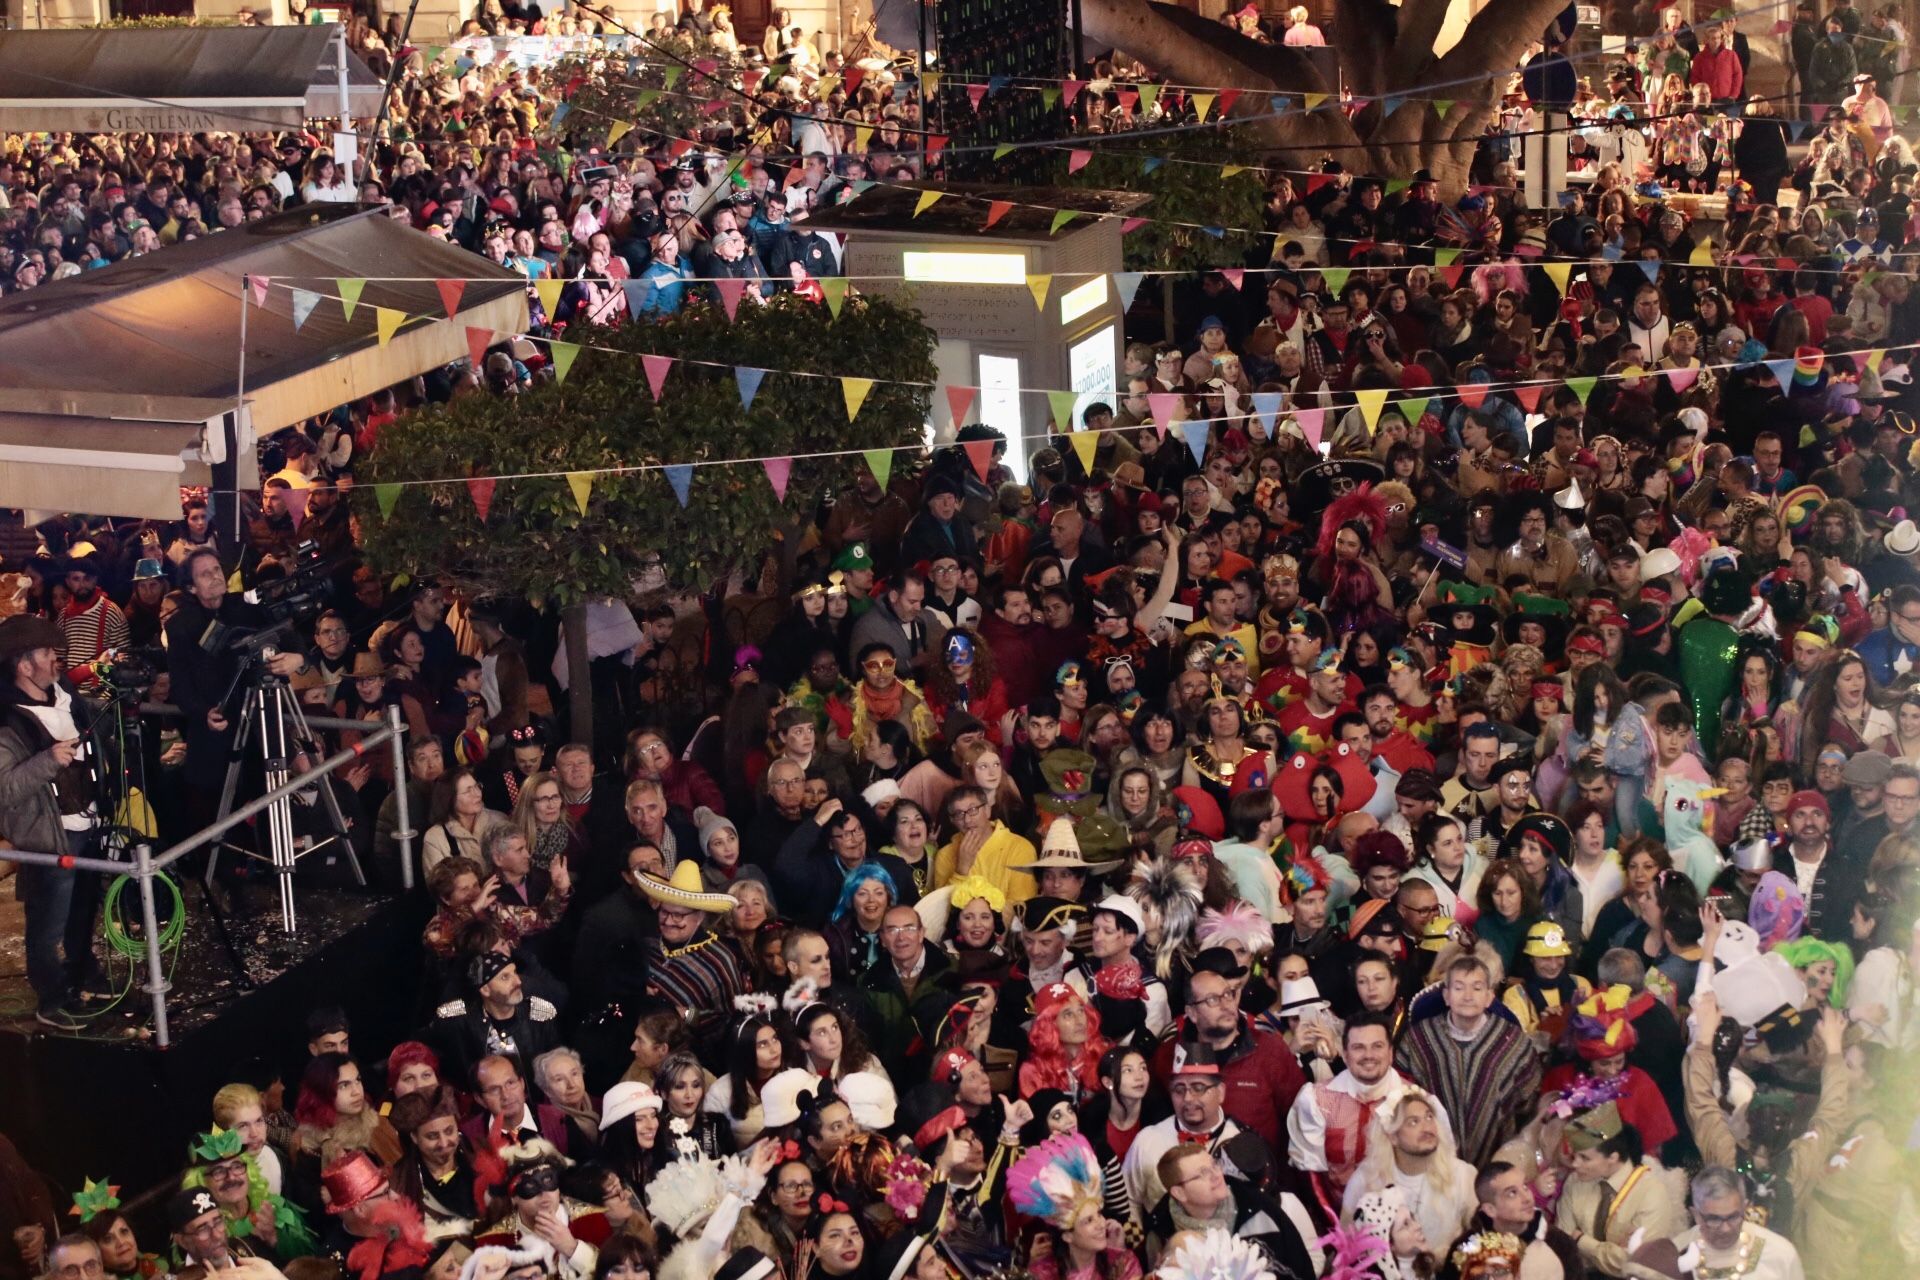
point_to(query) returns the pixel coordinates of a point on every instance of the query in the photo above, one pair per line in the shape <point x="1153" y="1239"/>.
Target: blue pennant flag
<point x="1150" y="164"/>
<point x="1279" y="104"/>
<point x="636" y="291"/>
<point x="1266" y="406"/>
<point x="1391" y="105"/>
<point x="561" y="112"/>
<point x="304" y="301"/>
<point x="996" y="83"/>
<point x="1126" y="284"/>
<point x="1196" y="434"/>
<point x="680" y="476"/>
<point x="1652" y="270"/>
<point x="1218" y="233"/>
<point x="749" y="380"/>
<point x="1782" y="371"/>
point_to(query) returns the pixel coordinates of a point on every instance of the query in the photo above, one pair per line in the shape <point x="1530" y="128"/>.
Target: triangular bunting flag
<point x="1414" y="408"/>
<point x="1874" y="358"/>
<point x="980" y="454"/>
<point x="1149" y="94"/>
<point x="1266" y="406"/>
<point x="1650" y="269"/>
<point x="636" y="291"/>
<point x="1228" y="170"/>
<point x="1038" y="286"/>
<point x="1227" y="98"/>
<point x="1236" y="276"/>
<point x="834" y="289"/>
<point x="581" y="482"/>
<point x="996" y="210"/>
<point x="387" y="322"/>
<point x="854" y="392"/>
<point x="1472" y="394"/>
<point x="778" y="472"/>
<point x="478" y="340"/>
<point x="1196" y="434"/>
<point x="1061" y="402"/>
<point x="480" y="489"/>
<point x="1702" y="255"/>
<point x="645" y="99"/>
<point x="656" y="367"/>
<point x="1127" y="284"/>
<point x="1682" y="380"/>
<point x="1070" y="89"/>
<point x="1560" y="273"/>
<point x="1310" y="421"/>
<point x="563" y="354"/>
<point x="861" y="135"/>
<point x="1278" y="105"/>
<point x="1396" y="185"/>
<point x="855" y="74"/>
<point x="730" y="290"/>
<point x="1528" y="394"/>
<point x="680" y="476"/>
<point x="304" y="301"/>
<point x="1336" y="278"/>
<point x="927" y="200"/>
<point x="1445" y="257"/>
<point x="548" y="291"/>
<point x="1203" y="103"/>
<point x="259" y="286"/>
<point x="1390" y="105"/>
<point x="936" y="143"/>
<point x="747" y="378"/>
<point x="1077" y="159"/>
<point x="450" y="292"/>
<point x="1131" y="225"/>
<point x="1061" y="217"/>
<point x="1165" y="407"/>
<point x="959" y="401"/>
<point x="1441" y="106"/>
<point x="295" y="501"/>
<point x="1782" y="371"/>
<point x="1582" y="387"/>
<point x="385" y="495"/>
<point x="349" y="295"/>
<point x="1371" y="402"/>
<point x="1049" y="98"/>
<point x="616" y="131"/>
<point x="672" y="76"/>
<point x="880" y="462"/>
<point x="1150" y="164"/>
<point x="975" y="92"/>
<point x="1129" y="99"/>
<point x="1002" y="151"/>
<point x="1218" y="233"/>
<point x="1085" y="445"/>
<point x="560" y="113"/>
<point x="1314" y="100"/>
<point x="929" y="84"/>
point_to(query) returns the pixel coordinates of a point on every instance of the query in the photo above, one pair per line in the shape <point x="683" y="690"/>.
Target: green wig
<point x="1801" y="953"/>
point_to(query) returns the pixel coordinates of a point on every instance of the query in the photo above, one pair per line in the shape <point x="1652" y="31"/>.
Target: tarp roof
<point x="176" y="79"/>
<point x="114" y="382"/>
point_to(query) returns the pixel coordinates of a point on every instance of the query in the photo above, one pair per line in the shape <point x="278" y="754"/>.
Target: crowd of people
<point x="1468" y="830"/>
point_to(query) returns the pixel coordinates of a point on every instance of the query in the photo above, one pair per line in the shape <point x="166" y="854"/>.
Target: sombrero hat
<point x="1061" y="848"/>
<point x="683" y="890"/>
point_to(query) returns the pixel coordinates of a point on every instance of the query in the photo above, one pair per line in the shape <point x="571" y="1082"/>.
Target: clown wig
<point x="1048" y="1066"/>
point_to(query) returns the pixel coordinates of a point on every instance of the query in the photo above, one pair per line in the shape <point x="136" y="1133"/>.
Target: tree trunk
<point x="573" y="620"/>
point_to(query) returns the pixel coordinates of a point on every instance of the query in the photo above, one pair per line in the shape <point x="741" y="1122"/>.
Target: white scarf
<point x="57" y="720"/>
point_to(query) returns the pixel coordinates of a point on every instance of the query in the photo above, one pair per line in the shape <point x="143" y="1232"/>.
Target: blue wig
<point x="858" y="876"/>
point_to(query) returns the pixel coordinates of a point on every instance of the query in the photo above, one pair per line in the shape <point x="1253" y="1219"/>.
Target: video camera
<point x="289" y="601"/>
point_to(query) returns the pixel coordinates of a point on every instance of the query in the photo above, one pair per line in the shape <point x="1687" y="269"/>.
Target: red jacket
<point x="1261" y="1076"/>
<point x="1718" y="69"/>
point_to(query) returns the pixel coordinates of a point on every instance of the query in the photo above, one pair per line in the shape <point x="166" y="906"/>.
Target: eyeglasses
<point x="1192" y="1088"/>
<point x="795" y="1188"/>
<point x="967" y="811"/>
<point x="1719" y="1219"/>
<point x="1228" y="997"/>
<point x="895" y="930"/>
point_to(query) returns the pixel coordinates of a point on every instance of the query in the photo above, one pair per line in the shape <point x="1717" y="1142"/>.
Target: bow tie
<point x="1202" y="1138"/>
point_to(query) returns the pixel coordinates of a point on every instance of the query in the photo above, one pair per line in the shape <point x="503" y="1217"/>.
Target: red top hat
<point x="352" y="1180"/>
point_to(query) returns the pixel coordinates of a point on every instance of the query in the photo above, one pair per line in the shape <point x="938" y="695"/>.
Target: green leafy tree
<point x="537" y="543"/>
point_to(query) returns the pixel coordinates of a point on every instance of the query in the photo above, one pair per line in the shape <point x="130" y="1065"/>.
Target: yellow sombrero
<point x="683" y="889"/>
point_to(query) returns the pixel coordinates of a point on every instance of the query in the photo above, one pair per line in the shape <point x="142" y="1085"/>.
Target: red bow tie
<point x="1202" y="1138"/>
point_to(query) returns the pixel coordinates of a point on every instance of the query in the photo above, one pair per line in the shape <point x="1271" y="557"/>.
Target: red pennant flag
<point x="1452" y="275"/>
<point x="1070" y="89"/>
<point x="1129" y="98"/>
<point x="657" y="367"/>
<point x="996" y="210"/>
<point x="481" y="490"/>
<point x="1077" y="160"/>
<point x="450" y="291"/>
<point x="259" y="284"/>
<point x="1132" y="225"/>
<point x="1227" y="98"/>
<point x="980" y="452"/>
<point x="714" y="107"/>
<point x="936" y="143"/>
<point x="730" y="291"/>
<point x="295" y="501"/>
<point x="478" y="340"/>
<point x="706" y="67"/>
<point x="679" y="147"/>
<point x="778" y="472"/>
<point x="959" y="401"/>
<point x="1315" y="181"/>
<point x="750" y="79"/>
<point x="1473" y="394"/>
<point x="975" y="92"/>
<point x="851" y="82"/>
<point x="1234" y="275"/>
<point x="1529" y="396"/>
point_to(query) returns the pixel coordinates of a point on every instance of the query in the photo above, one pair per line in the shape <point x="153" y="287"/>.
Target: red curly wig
<point x="1047" y="1066"/>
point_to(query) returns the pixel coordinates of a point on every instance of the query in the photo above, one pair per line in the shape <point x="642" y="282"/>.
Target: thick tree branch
<point x="1366" y="44"/>
<point x="1189" y="49"/>
<point x="1493" y="42"/>
<point x="1420" y="24"/>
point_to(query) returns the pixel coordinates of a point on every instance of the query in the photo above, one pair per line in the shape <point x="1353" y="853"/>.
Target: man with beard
<point x="449" y="1177"/>
<point x="91" y="624"/>
<point x="497" y="1018"/>
<point x="687" y="963"/>
<point x="566" y="1234"/>
<point x="376" y="1234"/>
<point x="1258" y="1073"/>
<point x="200" y="1234"/>
<point x="1306" y="638"/>
<point x="1327" y="1127"/>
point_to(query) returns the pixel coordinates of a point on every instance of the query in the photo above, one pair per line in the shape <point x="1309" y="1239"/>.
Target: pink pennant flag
<point x="959" y="402"/>
<point x="980" y="453"/>
<point x="730" y="291"/>
<point x="1070" y="89"/>
<point x="1131" y="225"/>
<point x="1077" y="160"/>
<point x="450" y="291"/>
<point x="1311" y="421"/>
<point x="778" y="470"/>
<point x="1129" y="98"/>
<point x="1164" y="406"/>
<point x="1234" y="275"/>
<point x="657" y="367"/>
<point x="1683" y="379"/>
<point x="480" y="488"/>
<point x="259" y="284"/>
<point x="750" y="79"/>
<point x="975" y="92"/>
<point x="295" y="501"/>
<point x="707" y="66"/>
<point x="713" y="106"/>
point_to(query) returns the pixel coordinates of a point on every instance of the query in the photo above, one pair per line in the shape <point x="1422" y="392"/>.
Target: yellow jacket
<point x="998" y="856"/>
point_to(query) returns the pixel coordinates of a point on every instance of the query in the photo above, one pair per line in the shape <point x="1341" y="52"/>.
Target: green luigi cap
<point x="853" y="558"/>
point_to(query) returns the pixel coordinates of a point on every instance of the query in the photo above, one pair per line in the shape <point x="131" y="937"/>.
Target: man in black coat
<point x="495" y="1017"/>
<point x="1506" y="1205"/>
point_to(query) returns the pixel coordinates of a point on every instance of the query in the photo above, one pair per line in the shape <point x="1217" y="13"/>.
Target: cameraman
<point x="49" y="787"/>
<point x="201" y="679"/>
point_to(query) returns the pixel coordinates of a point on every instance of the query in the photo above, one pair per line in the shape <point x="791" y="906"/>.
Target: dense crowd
<point x="1467" y="831"/>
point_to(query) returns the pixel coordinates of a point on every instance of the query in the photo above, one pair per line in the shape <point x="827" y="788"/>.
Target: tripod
<point x="272" y="721"/>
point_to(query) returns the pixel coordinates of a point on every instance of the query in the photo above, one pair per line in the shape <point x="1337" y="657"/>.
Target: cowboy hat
<point x="683" y="890"/>
<point x="1061" y="849"/>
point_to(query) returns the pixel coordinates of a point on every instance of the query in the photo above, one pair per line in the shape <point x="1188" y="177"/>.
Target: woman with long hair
<point x="750" y="918"/>
<point x="784" y="1207"/>
<point x="1158" y="743"/>
<point x="631" y="1142"/>
<point x="1064" y="1044"/>
<point x="833" y="1044"/>
<point x="1221" y="761"/>
<point x="853" y="931"/>
<point x="910" y="837"/>
<point x="966" y="679"/>
<point x="333" y="1117"/>
<point x="458" y="821"/>
<point x="1136" y="803"/>
<point x="681" y="1083"/>
<point x="1838" y="708"/>
<point x="448" y="1176"/>
<point x="833" y="1243"/>
<point x="1443" y="857"/>
<point x="1508" y="908"/>
<point x="756" y="1051"/>
<point x="1622" y="921"/>
<point x="540" y="814"/>
<point x="1607" y="729"/>
<point x="1060" y="1183"/>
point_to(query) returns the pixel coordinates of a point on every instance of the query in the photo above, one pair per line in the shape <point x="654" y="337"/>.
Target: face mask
<point x="1836" y="36"/>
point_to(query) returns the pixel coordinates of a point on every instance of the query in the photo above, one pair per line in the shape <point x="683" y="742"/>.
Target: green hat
<point x="1592" y="1128"/>
<point x="854" y="557"/>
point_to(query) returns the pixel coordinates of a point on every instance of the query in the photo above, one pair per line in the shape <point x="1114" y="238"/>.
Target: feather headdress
<point x="1216" y="1255"/>
<point x="1241" y="922"/>
<point x="1056" y="1181"/>
<point x="1356" y="1252"/>
<point x="1169" y="896"/>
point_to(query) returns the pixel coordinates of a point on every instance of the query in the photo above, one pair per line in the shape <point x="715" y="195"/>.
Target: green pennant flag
<point x="1049" y="98"/>
<point x="1445" y="257"/>
<point x="835" y="289"/>
<point x="880" y="462"/>
<point x="1062" y="403"/>
<point x="349" y="295"/>
<point x="1002" y="151"/>
<point x="1441" y="106"/>
<point x="386" y="495"/>
<point x="1396" y="185"/>
<point x="564" y="354"/>
<point x="1582" y="387"/>
<point x="672" y="76"/>
<point x="1336" y="278"/>
<point x="1149" y="94"/>
<point x="645" y="99"/>
<point x="1413" y="408"/>
<point x="1061" y="218"/>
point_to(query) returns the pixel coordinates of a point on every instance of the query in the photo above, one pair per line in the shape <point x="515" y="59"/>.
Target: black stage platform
<point x="108" y="1103"/>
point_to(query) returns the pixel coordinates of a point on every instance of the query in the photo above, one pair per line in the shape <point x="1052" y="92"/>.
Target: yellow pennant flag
<point x="1038" y="286"/>
<point x="854" y="390"/>
<point x="387" y="322"/>
<point x="581" y="482"/>
<point x="1559" y="273"/>
<point x="825" y="87"/>
<point x="1371" y="402"/>
<point x="1084" y="444"/>
<point x="926" y="201"/>
<point x="1702" y="255"/>
<point x="1203" y="103"/>
<point x="616" y="131"/>
<point x="861" y="136"/>
<point x="549" y="293"/>
<point x="1228" y="170"/>
<point x="1314" y="100"/>
<point x="1875" y="357"/>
